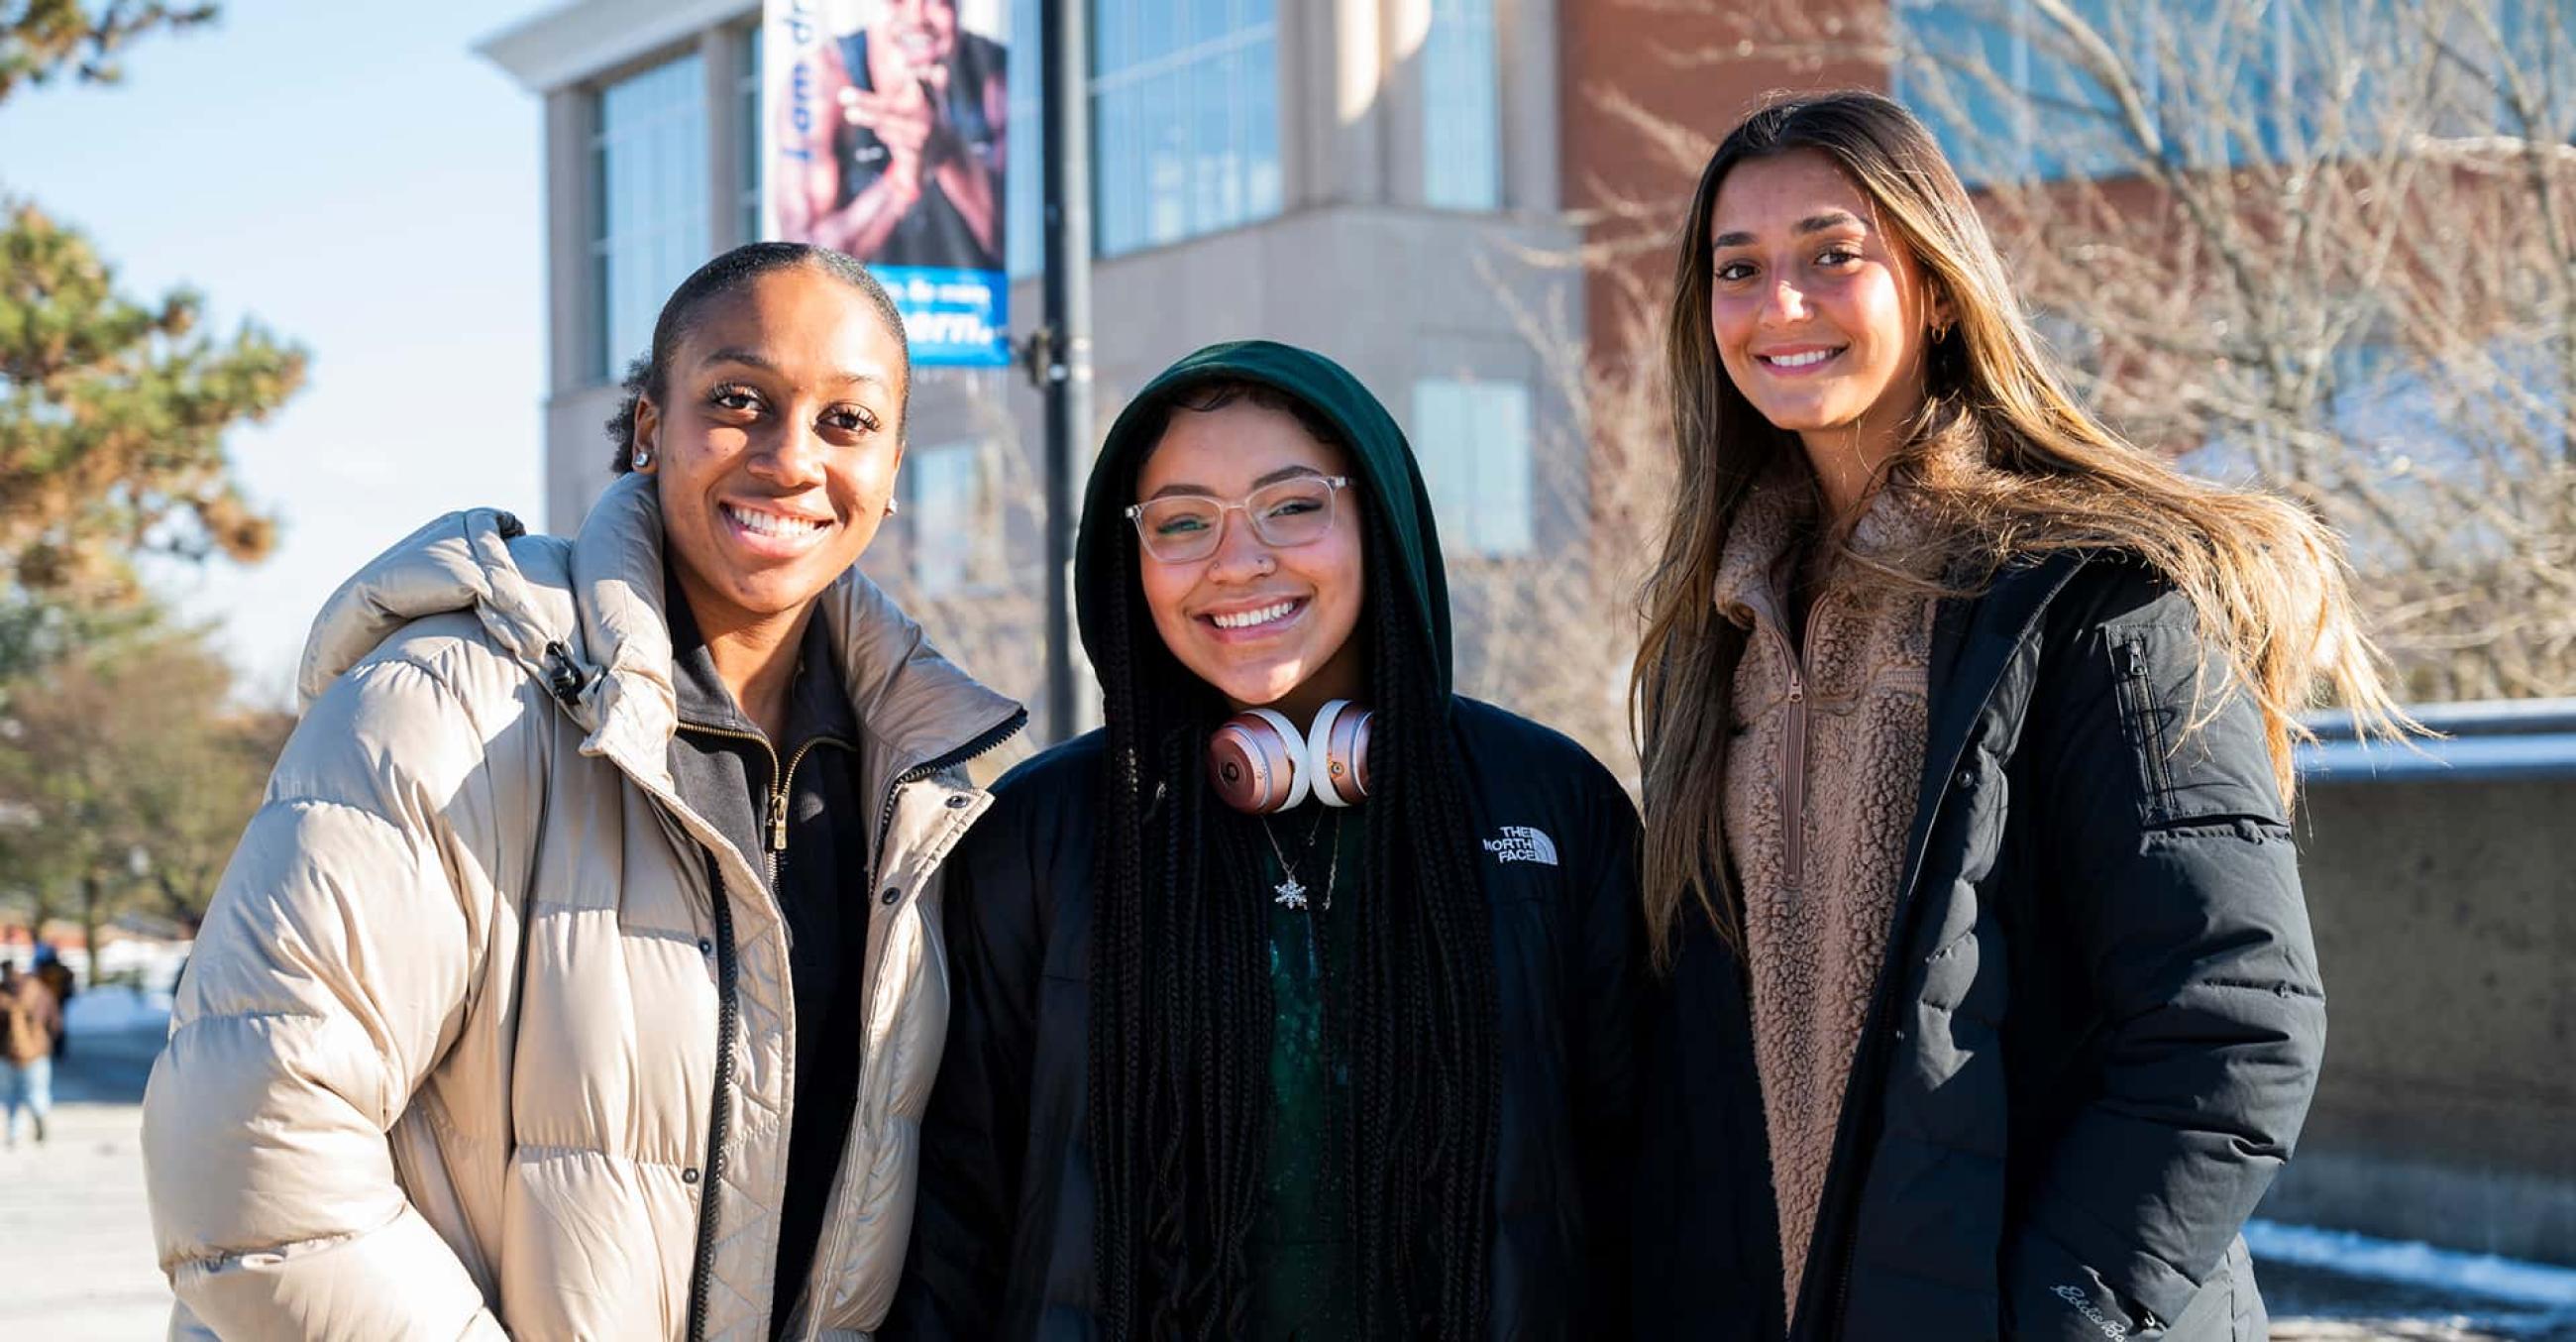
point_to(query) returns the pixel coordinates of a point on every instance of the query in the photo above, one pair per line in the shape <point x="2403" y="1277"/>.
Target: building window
<point x="1461" y="108"/>
<point x="1473" y="440"/>
<point x="1982" y="77"/>
<point x="956" y="525"/>
<point x="1185" y="118"/>
<point x="649" y="174"/>
<point x="746" y="89"/>
<point x="2006" y="90"/>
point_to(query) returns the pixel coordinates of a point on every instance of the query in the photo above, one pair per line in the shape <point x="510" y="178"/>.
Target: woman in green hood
<point x="1270" y="1020"/>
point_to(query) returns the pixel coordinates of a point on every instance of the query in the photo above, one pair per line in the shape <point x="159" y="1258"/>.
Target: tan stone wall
<point x="2445" y="916"/>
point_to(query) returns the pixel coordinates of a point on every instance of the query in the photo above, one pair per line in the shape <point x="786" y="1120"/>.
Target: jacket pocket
<point x="425" y="1146"/>
<point x="2195" y="737"/>
<point x="2142" y="722"/>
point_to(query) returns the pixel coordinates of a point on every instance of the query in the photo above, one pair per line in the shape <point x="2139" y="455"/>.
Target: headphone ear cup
<point x="1257" y="762"/>
<point x="1337" y="749"/>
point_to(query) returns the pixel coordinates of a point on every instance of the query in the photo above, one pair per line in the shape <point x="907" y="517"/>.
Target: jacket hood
<point x="1392" y="492"/>
<point x="463" y="561"/>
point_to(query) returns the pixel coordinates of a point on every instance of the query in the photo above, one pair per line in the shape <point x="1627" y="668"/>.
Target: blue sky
<point x="355" y="178"/>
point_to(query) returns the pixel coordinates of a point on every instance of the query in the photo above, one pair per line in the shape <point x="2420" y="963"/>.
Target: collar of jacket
<point x="815" y="705"/>
<point x="1974" y="644"/>
<point x="1756" y="563"/>
<point x="593" y="608"/>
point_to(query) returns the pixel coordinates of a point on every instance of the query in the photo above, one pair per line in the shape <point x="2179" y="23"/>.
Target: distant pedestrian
<point x="29" y="1022"/>
<point x="57" y="978"/>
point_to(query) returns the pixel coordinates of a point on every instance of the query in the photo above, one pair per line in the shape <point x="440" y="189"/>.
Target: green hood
<point x="1398" y="508"/>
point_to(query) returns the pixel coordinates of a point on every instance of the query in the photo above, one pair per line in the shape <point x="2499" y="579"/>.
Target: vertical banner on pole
<point x="884" y="134"/>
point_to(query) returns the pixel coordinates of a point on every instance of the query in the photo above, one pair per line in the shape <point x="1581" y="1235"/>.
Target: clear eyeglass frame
<point x="1200" y="545"/>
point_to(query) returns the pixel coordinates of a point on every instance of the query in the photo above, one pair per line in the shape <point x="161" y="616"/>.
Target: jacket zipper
<point x="1793" y="778"/>
<point x="781" y="781"/>
<point x="2137" y="696"/>
<point x="982" y="745"/>
<point x="1793" y="744"/>
<point x="778" y="797"/>
<point x="836" y="1224"/>
<point x="1793" y="804"/>
<point x="719" y="1122"/>
<point x="719" y="1118"/>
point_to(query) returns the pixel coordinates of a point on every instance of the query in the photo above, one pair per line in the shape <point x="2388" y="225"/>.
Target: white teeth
<point x="770" y="524"/>
<point x="1807" y="360"/>
<point x="1252" y="617"/>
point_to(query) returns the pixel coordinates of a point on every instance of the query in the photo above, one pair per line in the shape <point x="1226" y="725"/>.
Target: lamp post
<point x="1064" y="348"/>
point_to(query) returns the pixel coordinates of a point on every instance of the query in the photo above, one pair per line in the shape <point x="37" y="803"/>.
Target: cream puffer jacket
<point x="467" y="1045"/>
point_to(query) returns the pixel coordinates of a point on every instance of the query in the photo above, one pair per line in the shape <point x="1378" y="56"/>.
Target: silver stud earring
<point x="892" y="507"/>
<point x="643" y="457"/>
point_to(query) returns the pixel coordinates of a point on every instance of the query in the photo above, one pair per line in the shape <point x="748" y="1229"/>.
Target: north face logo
<point x="1520" y="843"/>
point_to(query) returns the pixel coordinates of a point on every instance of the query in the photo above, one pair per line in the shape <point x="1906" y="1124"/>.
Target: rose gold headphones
<point x="1261" y="764"/>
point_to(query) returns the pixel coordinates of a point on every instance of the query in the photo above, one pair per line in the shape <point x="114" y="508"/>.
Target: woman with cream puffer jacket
<point x="491" y="1031"/>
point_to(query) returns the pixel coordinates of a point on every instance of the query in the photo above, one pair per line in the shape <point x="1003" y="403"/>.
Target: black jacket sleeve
<point x="2175" y="880"/>
<point x="1606" y="1121"/>
<point x="1707" y="1239"/>
<point x="975" y="1133"/>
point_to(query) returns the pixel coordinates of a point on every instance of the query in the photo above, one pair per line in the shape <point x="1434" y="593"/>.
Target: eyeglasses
<point x="1185" y="528"/>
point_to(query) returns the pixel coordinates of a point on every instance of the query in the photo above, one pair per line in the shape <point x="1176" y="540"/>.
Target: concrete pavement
<point x="77" y="1262"/>
<point x="75" y="1234"/>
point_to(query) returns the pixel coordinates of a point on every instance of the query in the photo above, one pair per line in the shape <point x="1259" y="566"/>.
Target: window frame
<point x="1468" y="529"/>
<point x="601" y="235"/>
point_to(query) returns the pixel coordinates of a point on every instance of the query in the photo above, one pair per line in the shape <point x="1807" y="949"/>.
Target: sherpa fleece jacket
<point x="1829" y="716"/>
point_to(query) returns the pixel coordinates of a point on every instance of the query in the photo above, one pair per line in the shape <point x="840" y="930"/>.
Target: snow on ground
<point x="2387" y="1289"/>
<point x="2468" y="1274"/>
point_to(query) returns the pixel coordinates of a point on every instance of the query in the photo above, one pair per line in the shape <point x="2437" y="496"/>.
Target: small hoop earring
<point x="643" y="457"/>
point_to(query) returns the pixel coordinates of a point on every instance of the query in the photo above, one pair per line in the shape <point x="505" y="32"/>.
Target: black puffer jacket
<point x="2093" y="1044"/>
<point x="1002" y="1244"/>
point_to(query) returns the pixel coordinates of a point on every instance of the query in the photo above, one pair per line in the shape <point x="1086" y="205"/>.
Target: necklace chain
<point x="1289" y="894"/>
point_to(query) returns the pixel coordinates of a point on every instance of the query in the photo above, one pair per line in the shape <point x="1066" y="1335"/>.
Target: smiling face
<point x="1820" y="312"/>
<point x="1265" y="625"/>
<point x="774" y="445"/>
<point x="925" y="30"/>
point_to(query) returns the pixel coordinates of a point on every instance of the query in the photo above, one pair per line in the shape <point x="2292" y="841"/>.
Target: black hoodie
<point x="1002" y="1237"/>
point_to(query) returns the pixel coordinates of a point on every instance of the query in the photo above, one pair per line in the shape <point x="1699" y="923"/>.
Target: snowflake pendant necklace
<point x="1289" y="893"/>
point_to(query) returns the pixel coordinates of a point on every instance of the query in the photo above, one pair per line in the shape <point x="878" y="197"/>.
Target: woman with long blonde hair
<point x="1991" y="1006"/>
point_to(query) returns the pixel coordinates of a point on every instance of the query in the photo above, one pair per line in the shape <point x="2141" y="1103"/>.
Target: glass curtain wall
<point x="1185" y="118"/>
<point x="1462" y="162"/>
<point x="649" y="188"/>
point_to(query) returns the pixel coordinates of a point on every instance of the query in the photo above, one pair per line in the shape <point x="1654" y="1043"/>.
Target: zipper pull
<point x="777" y="822"/>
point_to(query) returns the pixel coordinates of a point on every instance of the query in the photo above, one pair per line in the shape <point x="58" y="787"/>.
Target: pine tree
<point x="40" y="38"/>
<point x="113" y="411"/>
<point x="125" y="770"/>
